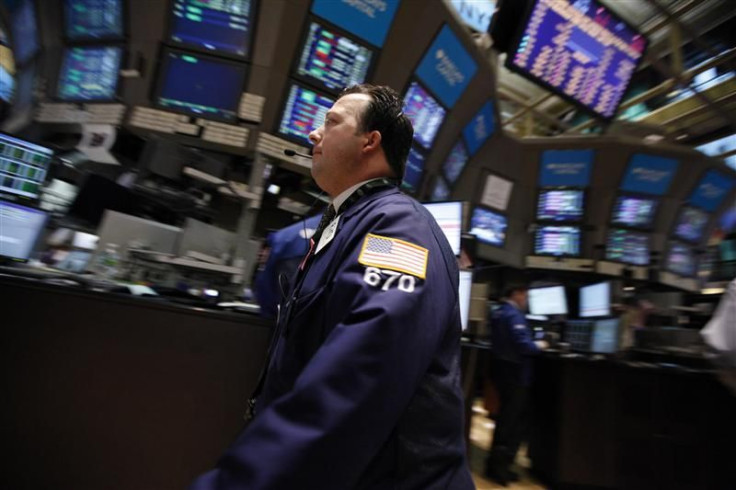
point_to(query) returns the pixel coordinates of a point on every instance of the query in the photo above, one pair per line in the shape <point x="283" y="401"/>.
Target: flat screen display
<point x="369" y="20"/>
<point x="23" y="166"/>
<point x="449" y="215"/>
<point x="548" y="301"/>
<point x="627" y="247"/>
<point x="681" y="260"/>
<point x="455" y="163"/>
<point x="93" y="19"/>
<point x="89" y="73"/>
<point x="633" y="211"/>
<point x="7" y="85"/>
<point x="304" y="112"/>
<point x="425" y="113"/>
<point x="581" y="50"/>
<point x="605" y="336"/>
<point x="691" y="224"/>
<point x="595" y="300"/>
<point x="560" y="205"/>
<point x="440" y="190"/>
<point x="23" y="29"/>
<point x="200" y="85"/>
<point x="489" y="227"/>
<point x="464" y="289"/>
<point x="21" y="227"/>
<point x="557" y="240"/>
<point x="333" y="60"/>
<point x="414" y="170"/>
<point x="220" y="26"/>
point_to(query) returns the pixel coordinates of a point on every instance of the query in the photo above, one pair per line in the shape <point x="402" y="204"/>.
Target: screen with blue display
<point x="414" y="170"/>
<point x="557" y="240"/>
<point x="89" y="73"/>
<point x="447" y="67"/>
<point x="23" y="29"/>
<point x="681" y="260"/>
<point x="440" y="190"/>
<point x="627" y="247"/>
<point x="480" y="128"/>
<point x="712" y="190"/>
<point x="565" y="168"/>
<point x="488" y="227"/>
<point x="222" y="26"/>
<point x="93" y="19"/>
<point x="633" y="211"/>
<point x="333" y="60"/>
<point x="691" y="224"/>
<point x="560" y="205"/>
<point x="649" y="174"/>
<point x="581" y="50"/>
<point x="455" y="162"/>
<point x="370" y="20"/>
<point x="23" y="166"/>
<point x="200" y="85"/>
<point x="425" y="113"/>
<point x="304" y="112"/>
<point x="7" y="85"/>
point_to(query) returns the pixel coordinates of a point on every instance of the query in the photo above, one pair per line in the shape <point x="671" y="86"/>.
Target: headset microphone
<point x="291" y="153"/>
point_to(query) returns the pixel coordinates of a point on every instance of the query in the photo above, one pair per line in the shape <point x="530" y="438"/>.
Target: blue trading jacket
<point x="511" y="340"/>
<point x="363" y="389"/>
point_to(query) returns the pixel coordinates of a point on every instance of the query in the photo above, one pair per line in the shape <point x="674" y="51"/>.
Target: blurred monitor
<point x="414" y="170"/>
<point x="425" y="113"/>
<point x="560" y="205"/>
<point x="548" y="301"/>
<point x="200" y="85"/>
<point x="23" y="166"/>
<point x="449" y="215"/>
<point x="93" y="19"/>
<point x="488" y="226"/>
<point x="605" y="336"/>
<point x="634" y="211"/>
<point x="84" y="241"/>
<point x="681" y="260"/>
<point x="440" y="190"/>
<point x="464" y="289"/>
<point x="20" y="230"/>
<point x="691" y="224"/>
<point x="208" y="242"/>
<point x="7" y="86"/>
<point x="627" y="247"/>
<point x="578" y="334"/>
<point x="557" y="240"/>
<point x="304" y="111"/>
<point x="455" y="163"/>
<point x="98" y="194"/>
<point x="595" y="300"/>
<point x="89" y="73"/>
<point x="333" y="60"/>
<point x="24" y="29"/>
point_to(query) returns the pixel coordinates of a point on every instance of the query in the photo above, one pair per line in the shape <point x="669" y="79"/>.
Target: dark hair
<point x="515" y="289"/>
<point x="385" y="115"/>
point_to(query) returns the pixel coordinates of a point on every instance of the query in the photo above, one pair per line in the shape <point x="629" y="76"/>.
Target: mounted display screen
<point x="627" y="247"/>
<point x="636" y="212"/>
<point x="89" y="73"/>
<point x="489" y="227"/>
<point x="425" y="113"/>
<point x="557" y="240"/>
<point x="560" y="205"/>
<point x="93" y="19"/>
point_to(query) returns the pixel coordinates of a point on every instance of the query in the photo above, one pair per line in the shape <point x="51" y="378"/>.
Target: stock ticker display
<point x="489" y="227"/>
<point x="414" y="170"/>
<point x="455" y="162"/>
<point x="93" y="19"/>
<point x="425" y="113"/>
<point x="23" y="166"/>
<point x="557" y="240"/>
<point x="215" y="25"/>
<point x="581" y="50"/>
<point x="89" y="73"/>
<point x="628" y="247"/>
<point x="691" y="224"/>
<point x="636" y="212"/>
<point x="681" y="260"/>
<point x="305" y="111"/>
<point x="560" y="205"/>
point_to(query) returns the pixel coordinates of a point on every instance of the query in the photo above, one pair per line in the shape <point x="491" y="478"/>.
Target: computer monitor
<point x="455" y="163"/>
<point x="20" y="230"/>
<point x="595" y="300"/>
<point x="627" y="247"/>
<point x="209" y="242"/>
<point x="425" y="113"/>
<point x="691" y="224"/>
<point x="332" y="59"/>
<point x="200" y="85"/>
<point x="89" y="73"/>
<point x="578" y="333"/>
<point x="23" y="166"/>
<point x="605" y="336"/>
<point x="557" y="240"/>
<point x="440" y="190"/>
<point x="548" y="301"/>
<point x="465" y="287"/>
<point x="24" y="30"/>
<point x="488" y="226"/>
<point x="634" y="211"/>
<point x="681" y="260"/>
<point x="7" y="85"/>
<point x="93" y="19"/>
<point x="98" y="194"/>
<point x="304" y="111"/>
<point x="414" y="170"/>
<point x="224" y="28"/>
<point x="449" y="215"/>
<point x="560" y="205"/>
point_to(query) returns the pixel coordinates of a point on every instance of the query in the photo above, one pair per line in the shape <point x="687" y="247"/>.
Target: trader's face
<point x="521" y="298"/>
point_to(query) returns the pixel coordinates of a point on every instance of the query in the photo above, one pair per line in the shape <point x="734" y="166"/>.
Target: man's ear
<point x="373" y="141"/>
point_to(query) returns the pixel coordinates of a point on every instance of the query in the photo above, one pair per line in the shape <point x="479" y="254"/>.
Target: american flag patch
<point x="394" y="254"/>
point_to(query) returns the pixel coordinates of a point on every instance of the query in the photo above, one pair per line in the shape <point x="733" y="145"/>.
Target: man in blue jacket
<point x="363" y="383"/>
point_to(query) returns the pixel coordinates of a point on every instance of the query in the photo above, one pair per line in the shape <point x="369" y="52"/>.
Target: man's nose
<point x="316" y="135"/>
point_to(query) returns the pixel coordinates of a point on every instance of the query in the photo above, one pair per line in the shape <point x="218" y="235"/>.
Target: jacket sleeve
<point x="345" y="403"/>
<point x="520" y="334"/>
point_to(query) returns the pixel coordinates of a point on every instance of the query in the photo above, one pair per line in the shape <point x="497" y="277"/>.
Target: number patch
<point x="386" y="278"/>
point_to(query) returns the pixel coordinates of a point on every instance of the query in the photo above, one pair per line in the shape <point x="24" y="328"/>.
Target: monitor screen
<point x="23" y="29"/>
<point x="449" y="215"/>
<point x="636" y="212"/>
<point x="7" y="85"/>
<point x="304" y="112"/>
<point x="93" y="19"/>
<point x="605" y="336"/>
<point x="455" y="163"/>
<point x="548" y="301"/>
<point x="333" y="60"/>
<point x="23" y="166"/>
<point x="220" y="27"/>
<point x="691" y="224"/>
<point x="21" y="227"/>
<point x="368" y="20"/>
<point x="560" y="205"/>
<point x="557" y="240"/>
<point x="465" y="287"/>
<point x="414" y="170"/>
<point x="440" y="190"/>
<point x="425" y="113"/>
<point x="595" y="300"/>
<point x="200" y="85"/>
<point x="89" y="73"/>
<point x="489" y="227"/>
<point x="681" y="260"/>
<point x="580" y="50"/>
<point x="627" y="247"/>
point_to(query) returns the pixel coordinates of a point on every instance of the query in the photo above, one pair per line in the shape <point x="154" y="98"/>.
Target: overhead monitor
<point x="690" y="224"/>
<point x="414" y="170"/>
<point x="480" y="128"/>
<point x="649" y="174"/>
<point x="20" y="230"/>
<point x="449" y="215"/>
<point x="455" y="163"/>
<point x="304" y="111"/>
<point x="220" y="27"/>
<point x="93" y="19"/>
<point x="425" y="113"/>
<point x="568" y="168"/>
<point x="560" y="205"/>
<point x="200" y="85"/>
<point x="488" y="227"/>
<point x="89" y="73"/>
<point x="681" y="260"/>
<point x="557" y="240"/>
<point x="595" y="300"/>
<point x="580" y="50"/>
<point x="23" y="166"/>
<point x="440" y="190"/>
<point x="548" y="301"/>
<point x="627" y="247"/>
<point x="369" y="20"/>
<point x="634" y="211"/>
<point x="605" y="336"/>
<point x="23" y="29"/>
<point x="711" y="191"/>
<point x="465" y="285"/>
<point x="333" y="60"/>
<point x="7" y="86"/>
